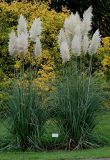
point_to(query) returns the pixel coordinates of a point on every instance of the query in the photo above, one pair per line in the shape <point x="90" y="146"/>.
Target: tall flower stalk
<point x="76" y="41"/>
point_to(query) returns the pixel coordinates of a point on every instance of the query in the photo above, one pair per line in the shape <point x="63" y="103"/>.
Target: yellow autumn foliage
<point x="46" y="73"/>
<point x="51" y="22"/>
<point x="104" y="52"/>
<point x="105" y="45"/>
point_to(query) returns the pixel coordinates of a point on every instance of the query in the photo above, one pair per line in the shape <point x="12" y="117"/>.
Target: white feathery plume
<point x="36" y="29"/>
<point x="95" y="43"/>
<point x="77" y="29"/>
<point x="76" y="45"/>
<point x="12" y="45"/>
<point x="22" y="25"/>
<point x="77" y="18"/>
<point x="68" y="24"/>
<point x="87" y="21"/>
<point x="71" y="22"/>
<point x="61" y="36"/>
<point x="69" y="40"/>
<point x="22" y="41"/>
<point x="38" y="47"/>
<point x="85" y="44"/>
<point x="64" y="51"/>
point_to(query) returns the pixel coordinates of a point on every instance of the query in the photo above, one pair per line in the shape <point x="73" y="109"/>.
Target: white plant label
<point x="55" y="135"/>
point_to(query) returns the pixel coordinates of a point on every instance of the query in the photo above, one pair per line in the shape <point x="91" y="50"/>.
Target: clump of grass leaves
<point x="26" y="116"/>
<point x="77" y="104"/>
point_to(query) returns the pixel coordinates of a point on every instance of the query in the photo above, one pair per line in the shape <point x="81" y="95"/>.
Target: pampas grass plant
<point x="78" y="97"/>
<point x="26" y="113"/>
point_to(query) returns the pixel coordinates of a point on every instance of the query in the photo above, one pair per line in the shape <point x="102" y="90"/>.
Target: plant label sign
<point x="55" y="135"/>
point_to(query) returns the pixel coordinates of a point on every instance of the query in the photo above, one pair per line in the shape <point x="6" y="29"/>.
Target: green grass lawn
<point x="103" y="127"/>
<point x="60" y="155"/>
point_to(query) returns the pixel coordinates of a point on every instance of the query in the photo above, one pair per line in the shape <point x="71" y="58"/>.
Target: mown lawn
<point x="103" y="127"/>
<point x="86" y="154"/>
